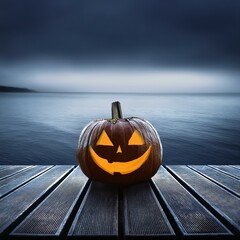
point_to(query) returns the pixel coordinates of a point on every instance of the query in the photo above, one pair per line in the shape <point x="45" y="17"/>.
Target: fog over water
<point x="121" y="46"/>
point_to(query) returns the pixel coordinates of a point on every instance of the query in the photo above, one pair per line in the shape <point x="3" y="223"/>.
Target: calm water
<point x="37" y="128"/>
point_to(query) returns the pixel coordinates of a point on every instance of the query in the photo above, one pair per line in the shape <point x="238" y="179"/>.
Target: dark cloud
<point x="171" y="33"/>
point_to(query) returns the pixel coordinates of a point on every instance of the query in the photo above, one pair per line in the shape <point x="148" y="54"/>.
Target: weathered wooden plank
<point x="2" y="167"/>
<point x="191" y="217"/>
<point x="19" y="201"/>
<point x="143" y="215"/>
<point x="189" y="198"/>
<point x="224" y="204"/>
<point x="97" y="216"/>
<point x="228" y="170"/>
<point x="230" y="183"/>
<point x="13" y="182"/>
<point x="52" y="215"/>
<point x="235" y="166"/>
<point x="10" y="170"/>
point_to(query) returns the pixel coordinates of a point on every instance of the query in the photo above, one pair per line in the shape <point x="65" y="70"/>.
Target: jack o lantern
<point x="119" y="150"/>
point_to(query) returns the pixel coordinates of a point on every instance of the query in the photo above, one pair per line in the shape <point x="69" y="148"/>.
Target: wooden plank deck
<point x="179" y="202"/>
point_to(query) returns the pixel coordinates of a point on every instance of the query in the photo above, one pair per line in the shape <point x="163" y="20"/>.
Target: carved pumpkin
<point x="119" y="150"/>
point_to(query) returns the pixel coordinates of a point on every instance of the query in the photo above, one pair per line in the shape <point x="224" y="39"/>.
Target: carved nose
<point x="119" y="150"/>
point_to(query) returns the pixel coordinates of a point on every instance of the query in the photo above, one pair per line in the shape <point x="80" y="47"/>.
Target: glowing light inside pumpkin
<point x="136" y="139"/>
<point x="104" y="139"/>
<point x="120" y="167"/>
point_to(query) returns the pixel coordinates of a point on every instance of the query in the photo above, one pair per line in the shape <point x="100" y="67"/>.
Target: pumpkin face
<point x="122" y="151"/>
<point x="121" y="165"/>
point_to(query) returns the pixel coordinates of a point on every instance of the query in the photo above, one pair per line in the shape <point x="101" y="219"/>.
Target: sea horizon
<point x="32" y="90"/>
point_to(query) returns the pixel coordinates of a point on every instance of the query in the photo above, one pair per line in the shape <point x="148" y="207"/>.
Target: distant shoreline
<point x="9" y="89"/>
<point x="15" y="89"/>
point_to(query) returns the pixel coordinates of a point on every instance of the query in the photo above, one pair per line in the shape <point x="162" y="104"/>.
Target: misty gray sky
<point x="127" y="46"/>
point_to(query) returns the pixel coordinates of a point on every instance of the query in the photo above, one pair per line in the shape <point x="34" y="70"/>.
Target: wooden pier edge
<point x="179" y="202"/>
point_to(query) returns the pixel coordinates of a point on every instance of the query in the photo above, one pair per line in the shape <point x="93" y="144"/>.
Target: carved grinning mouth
<point x="120" y="167"/>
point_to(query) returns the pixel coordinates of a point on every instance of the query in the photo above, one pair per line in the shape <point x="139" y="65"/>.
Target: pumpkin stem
<point x="116" y="110"/>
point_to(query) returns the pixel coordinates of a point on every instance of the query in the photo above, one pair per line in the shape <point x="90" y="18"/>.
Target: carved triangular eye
<point x="104" y="139"/>
<point x="136" y="139"/>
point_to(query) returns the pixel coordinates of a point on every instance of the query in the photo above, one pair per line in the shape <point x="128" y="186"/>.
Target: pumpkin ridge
<point x="126" y="165"/>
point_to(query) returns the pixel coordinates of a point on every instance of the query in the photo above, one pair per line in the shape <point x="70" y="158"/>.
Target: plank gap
<point x="73" y="214"/>
<point x="167" y="210"/>
<point x="11" y="172"/>
<point x="225" y="172"/>
<point x="120" y="214"/>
